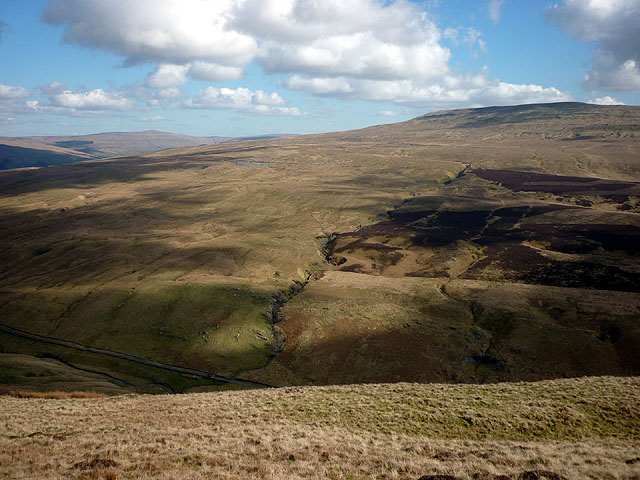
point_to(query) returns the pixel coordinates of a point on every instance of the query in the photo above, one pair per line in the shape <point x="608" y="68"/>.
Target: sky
<point x="252" y="67"/>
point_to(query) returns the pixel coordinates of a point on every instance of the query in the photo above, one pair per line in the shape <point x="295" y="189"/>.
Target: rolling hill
<point x="19" y="154"/>
<point x="44" y="151"/>
<point x="479" y="245"/>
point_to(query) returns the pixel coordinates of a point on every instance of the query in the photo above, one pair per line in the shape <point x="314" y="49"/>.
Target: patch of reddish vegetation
<point x="292" y="325"/>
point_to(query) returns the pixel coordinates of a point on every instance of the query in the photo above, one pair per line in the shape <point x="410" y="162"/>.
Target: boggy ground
<point x="564" y="429"/>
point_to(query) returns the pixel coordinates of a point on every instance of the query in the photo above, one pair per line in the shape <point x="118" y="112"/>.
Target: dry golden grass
<point x="55" y="395"/>
<point x="571" y="429"/>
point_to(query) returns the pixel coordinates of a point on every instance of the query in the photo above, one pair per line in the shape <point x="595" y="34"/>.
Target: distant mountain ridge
<point x="43" y="151"/>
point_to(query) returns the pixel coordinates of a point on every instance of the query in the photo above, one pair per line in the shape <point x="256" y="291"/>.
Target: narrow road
<point x="131" y="358"/>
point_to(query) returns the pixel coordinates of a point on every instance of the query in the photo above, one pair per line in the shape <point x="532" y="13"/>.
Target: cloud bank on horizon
<point x="396" y="54"/>
<point x="361" y="49"/>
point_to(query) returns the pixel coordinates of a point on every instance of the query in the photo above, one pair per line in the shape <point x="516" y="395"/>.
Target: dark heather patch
<point x="582" y="275"/>
<point x="556" y="184"/>
<point x="438" y="229"/>
<point x="502" y="234"/>
<point x="512" y="258"/>
<point x="381" y="247"/>
<point x="584" y="238"/>
<point x="384" y="229"/>
<point x="520" y="263"/>
<point x="355" y="268"/>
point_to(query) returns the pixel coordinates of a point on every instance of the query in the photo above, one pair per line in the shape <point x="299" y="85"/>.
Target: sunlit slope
<point x="177" y="256"/>
<point x="562" y="429"/>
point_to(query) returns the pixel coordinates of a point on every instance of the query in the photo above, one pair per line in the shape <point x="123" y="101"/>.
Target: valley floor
<point x="559" y="429"/>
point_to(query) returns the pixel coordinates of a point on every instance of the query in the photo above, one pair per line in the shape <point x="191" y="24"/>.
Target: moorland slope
<point x="480" y="245"/>
<point x="571" y="429"/>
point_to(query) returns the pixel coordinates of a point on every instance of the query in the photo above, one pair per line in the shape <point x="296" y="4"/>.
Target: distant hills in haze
<point x="43" y="151"/>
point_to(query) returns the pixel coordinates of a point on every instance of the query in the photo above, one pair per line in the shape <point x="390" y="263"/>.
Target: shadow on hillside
<point x="21" y="157"/>
<point x="552" y="336"/>
<point x="88" y="174"/>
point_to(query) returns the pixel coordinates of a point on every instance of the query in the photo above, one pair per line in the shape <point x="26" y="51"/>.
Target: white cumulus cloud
<point x="320" y="85"/>
<point x="357" y="49"/>
<point x="606" y="100"/>
<point x="358" y="38"/>
<point x="167" y="76"/>
<point x="170" y="92"/>
<point x="242" y="99"/>
<point x="171" y="75"/>
<point x="93" y="100"/>
<point x="212" y="72"/>
<point x="53" y="88"/>
<point x="608" y="74"/>
<point x="8" y="92"/>
<point x="448" y="91"/>
<point x="156" y="31"/>
<point x="615" y="27"/>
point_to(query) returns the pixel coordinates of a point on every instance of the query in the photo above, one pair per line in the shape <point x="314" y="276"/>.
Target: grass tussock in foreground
<point x="55" y="395"/>
<point x="561" y="429"/>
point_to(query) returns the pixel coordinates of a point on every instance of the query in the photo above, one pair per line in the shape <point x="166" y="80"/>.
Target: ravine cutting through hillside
<point x="327" y="249"/>
<point x="465" y="231"/>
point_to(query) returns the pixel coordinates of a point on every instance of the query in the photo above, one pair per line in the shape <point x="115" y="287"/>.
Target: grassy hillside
<point x="30" y="374"/>
<point x="464" y="246"/>
<point x="563" y="429"/>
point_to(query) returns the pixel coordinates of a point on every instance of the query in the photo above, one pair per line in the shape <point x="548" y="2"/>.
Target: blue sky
<point x="246" y="67"/>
